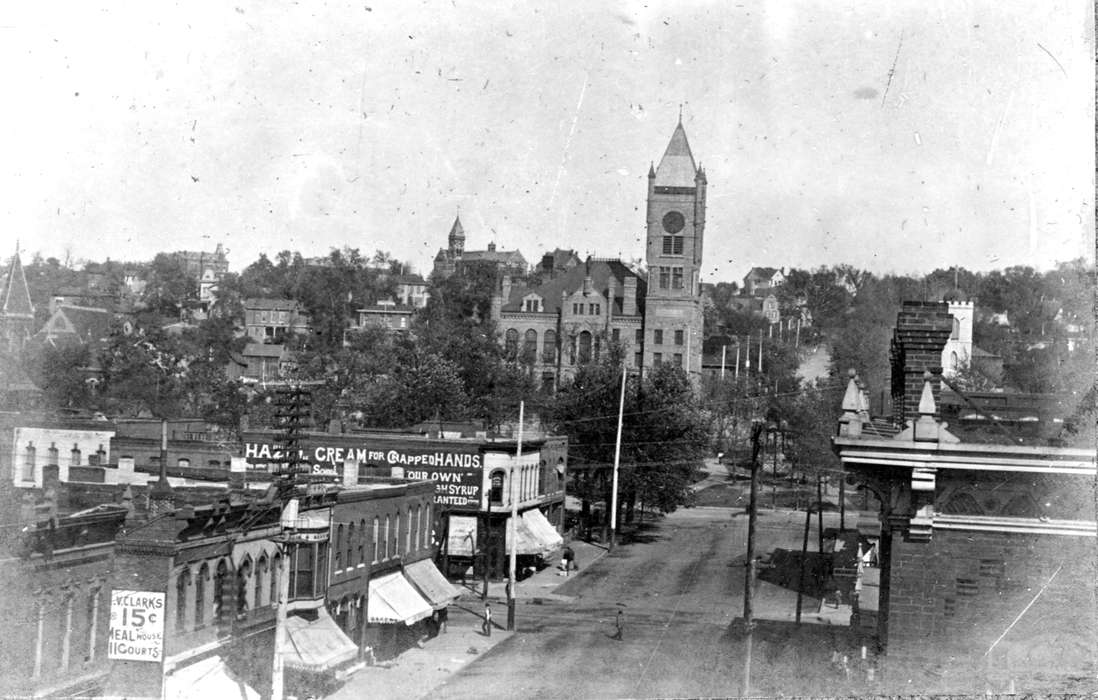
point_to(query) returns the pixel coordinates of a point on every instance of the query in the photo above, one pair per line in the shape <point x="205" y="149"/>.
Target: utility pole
<point x="617" y="461"/>
<point x="749" y="566"/>
<point x="513" y="524"/>
<point x="724" y="352"/>
<point x="820" y="510"/>
<point x="804" y="558"/>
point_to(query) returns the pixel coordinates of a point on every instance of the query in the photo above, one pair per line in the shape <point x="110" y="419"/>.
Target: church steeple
<point x="16" y="308"/>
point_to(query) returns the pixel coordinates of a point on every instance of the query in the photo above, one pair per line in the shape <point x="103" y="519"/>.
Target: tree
<point x="61" y="373"/>
<point x="168" y="286"/>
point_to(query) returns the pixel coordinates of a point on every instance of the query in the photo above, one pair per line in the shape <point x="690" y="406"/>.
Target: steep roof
<point x="677" y="168"/>
<point x="762" y="272"/>
<point x="16" y="298"/>
<point x="507" y="257"/>
<point x="271" y="304"/>
<point x="84" y="323"/>
<point x="456" y="231"/>
<point x="601" y="272"/>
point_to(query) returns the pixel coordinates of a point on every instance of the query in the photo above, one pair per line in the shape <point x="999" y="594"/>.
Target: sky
<point x="897" y="137"/>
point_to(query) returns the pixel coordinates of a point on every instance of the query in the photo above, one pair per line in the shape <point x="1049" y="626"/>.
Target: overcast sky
<point x="898" y="136"/>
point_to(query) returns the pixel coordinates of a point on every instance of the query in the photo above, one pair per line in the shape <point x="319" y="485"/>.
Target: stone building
<point x="987" y="548"/>
<point x="568" y="320"/>
<point x="449" y="260"/>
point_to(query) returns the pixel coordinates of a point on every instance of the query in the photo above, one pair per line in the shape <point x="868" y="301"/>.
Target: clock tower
<point x="675" y="233"/>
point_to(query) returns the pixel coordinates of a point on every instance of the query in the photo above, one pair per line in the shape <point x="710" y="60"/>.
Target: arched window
<point x="93" y="622"/>
<point x="261" y="567"/>
<point x="377" y="524"/>
<point x="386" y="536"/>
<point x="396" y="533"/>
<point x="243" y="576"/>
<point x="956" y="329"/>
<point x="549" y="348"/>
<point x="954" y="362"/>
<point x="276" y="578"/>
<point x="338" y="564"/>
<point x="362" y="541"/>
<point x="200" y="596"/>
<point x="221" y="577"/>
<point x="350" y="545"/>
<point x="530" y="347"/>
<point x="181" y="584"/>
<point x="584" y="347"/>
<point x="495" y="493"/>
<point x="510" y="344"/>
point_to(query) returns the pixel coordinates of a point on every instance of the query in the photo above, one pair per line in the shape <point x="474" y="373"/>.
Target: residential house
<point x="273" y="320"/>
<point x="762" y="280"/>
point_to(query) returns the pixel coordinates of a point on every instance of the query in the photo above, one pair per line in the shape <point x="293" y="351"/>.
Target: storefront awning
<point x="208" y="678"/>
<point x="393" y="600"/>
<point x="430" y="582"/>
<point x="543" y="528"/>
<point x="319" y="645"/>
<point x="531" y="540"/>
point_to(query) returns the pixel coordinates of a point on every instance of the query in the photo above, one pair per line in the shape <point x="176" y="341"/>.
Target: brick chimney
<point x="922" y="329"/>
<point x="629" y="296"/>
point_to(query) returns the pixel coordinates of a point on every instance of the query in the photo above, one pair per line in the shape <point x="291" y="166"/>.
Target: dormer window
<point x="532" y="303"/>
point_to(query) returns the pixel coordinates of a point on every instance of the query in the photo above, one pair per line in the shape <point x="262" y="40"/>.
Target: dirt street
<point x="679" y="584"/>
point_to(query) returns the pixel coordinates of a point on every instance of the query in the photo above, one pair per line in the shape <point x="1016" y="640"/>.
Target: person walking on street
<point x="443" y="614"/>
<point x="619" y="621"/>
<point x="486" y="626"/>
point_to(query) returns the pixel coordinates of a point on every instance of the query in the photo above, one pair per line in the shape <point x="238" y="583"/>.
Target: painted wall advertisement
<point x="457" y="475"/>
<point x="136" y="630"/>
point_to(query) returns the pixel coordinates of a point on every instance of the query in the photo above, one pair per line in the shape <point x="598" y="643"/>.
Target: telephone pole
<point x="617" y="460"/>
<point x="749" y="582"/>
<point x="513" y="524"/>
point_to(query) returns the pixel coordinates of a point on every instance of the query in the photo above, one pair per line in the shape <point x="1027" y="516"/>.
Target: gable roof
<point x="764" y="273"/>
<point x="84" y="323"/>
<point x="16" y="299"/>
<point x="601" y="271"/>
<point x="506" y="257"/>
<point x="267" y="304"/>
<point x="677" y="168"/>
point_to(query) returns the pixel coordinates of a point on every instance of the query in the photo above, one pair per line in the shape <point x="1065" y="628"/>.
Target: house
<point x="760" y="280"/>
<point x="265" y="362"/>
<point x="411" y="290"/>
<point x="84" y="325"/>
<point x="387" y="314"/>
<point x="273" y="320"/>
<point x="982" y="543"/>
<point x="557" y="262"/>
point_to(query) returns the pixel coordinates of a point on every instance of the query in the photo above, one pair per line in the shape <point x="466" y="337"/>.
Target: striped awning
<point x="430" y="582"/>
<point x="393" y="600"/>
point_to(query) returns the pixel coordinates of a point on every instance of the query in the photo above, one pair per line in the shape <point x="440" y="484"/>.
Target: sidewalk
<point x="419" y="670"/>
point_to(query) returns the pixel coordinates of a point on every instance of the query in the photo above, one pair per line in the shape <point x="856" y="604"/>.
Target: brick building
<point x="449" y="260"/>
<point x="987" y="549"/>
<point x="273" y="320"/>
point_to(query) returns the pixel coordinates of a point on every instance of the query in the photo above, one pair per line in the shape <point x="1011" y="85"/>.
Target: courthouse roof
<point x="601" y="271"/>
<point x="677" y="168"/>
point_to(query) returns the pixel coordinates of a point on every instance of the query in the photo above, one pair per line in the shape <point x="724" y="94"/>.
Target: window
<point x="594" y="309"/>
<point x="386" y="536"/>
<point x="678" y="359"/>
<point x="396" y="534"/>
<point x="377" y="524"/>
<point x="261" y="568"/>
<point x="362" y="542"/>
<point x="638" y="337"/>
<point x="657" y="336"/>
<point x="419" y="527"/>
<point x="220" y="579"/>
<point x="495" y="493"/>
<point x="65" y="631"/>
<point x="615" y="335"/>
<point x="28" y="462"/>
<point x="638" y="358"/>
<point x="532" y="304"/>
<point x="510" y="347"/>
<point x="408" y="533"/>
<point x="672" y="245"/>
<point x="338" y="563"/>
<point x="549" y="347"/>
<point x="304" y="558"/>
<point x="427" y="525"/>
<point x="200" y="596"/>
<point x="577" y="309"/>
<point x="93" y="622"/>
<point x="181" y="584"/>
<point x="243" y="574"/>
<point x="678" y="337"/>
<point x="530" y="347"/>
<point x="584" y="347"/>
<point x="665" y="277"/>
<point x="182" y="462"/>
<point x="676" y="278"/>
<point x="349" y="561"/>
<point x="956" y="333"/>
<point x="657" y="359"/>
<point x="276" y="577"/>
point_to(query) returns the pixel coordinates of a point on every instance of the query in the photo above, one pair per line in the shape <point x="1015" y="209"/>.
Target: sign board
<point x="456" y="473"/>
<point x="136" y="629"/>
<point x="462" y="539"/>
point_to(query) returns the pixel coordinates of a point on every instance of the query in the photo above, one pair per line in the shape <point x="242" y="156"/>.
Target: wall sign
<point x="136" y="629"/>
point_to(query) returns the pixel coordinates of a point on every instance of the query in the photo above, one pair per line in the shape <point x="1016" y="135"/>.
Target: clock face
<point x="673" y="222"/>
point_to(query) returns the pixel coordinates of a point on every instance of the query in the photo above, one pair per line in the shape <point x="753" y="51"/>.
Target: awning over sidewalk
<point x="319" y="645"/>
<point x="543" y="528"/>
<point x="208" y="678"/>
<point x="393" y="600"/>
<point x="426" y="577"/>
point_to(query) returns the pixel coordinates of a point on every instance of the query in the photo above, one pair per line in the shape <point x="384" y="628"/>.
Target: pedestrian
<point x="443" y="614"/>
<point x="619" y="621"/>
<point x="486" y="626"/>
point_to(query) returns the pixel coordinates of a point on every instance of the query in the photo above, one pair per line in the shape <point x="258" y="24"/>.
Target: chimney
<point x="922" y="329"/>
<point x="629" y="296"/>
<point x="492" y="247"/>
